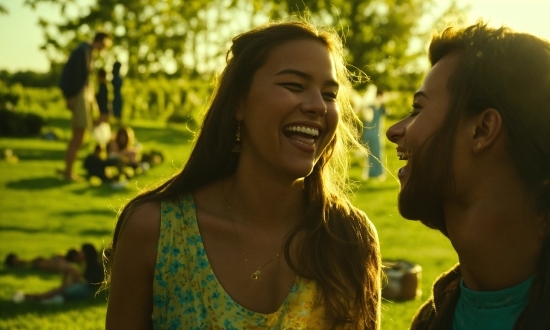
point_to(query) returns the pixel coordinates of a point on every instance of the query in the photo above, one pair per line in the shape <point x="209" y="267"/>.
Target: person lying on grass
<point x="76" y="284"/>
<point x="56" y="263"/>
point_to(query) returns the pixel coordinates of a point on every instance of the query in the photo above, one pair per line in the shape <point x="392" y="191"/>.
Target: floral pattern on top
<point x="187" y="294"/>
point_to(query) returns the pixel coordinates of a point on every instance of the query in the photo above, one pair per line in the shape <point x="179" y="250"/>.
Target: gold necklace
<point x="257" y="272"/>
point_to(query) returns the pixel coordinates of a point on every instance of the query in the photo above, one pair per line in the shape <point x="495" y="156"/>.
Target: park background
<point x="171" y="50"/>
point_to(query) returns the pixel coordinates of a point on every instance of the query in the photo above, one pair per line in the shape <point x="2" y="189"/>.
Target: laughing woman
<point x="478" y="149"/>
<point x="256" y="230"/>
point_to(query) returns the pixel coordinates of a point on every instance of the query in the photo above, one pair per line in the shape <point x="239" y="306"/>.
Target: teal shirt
<point x="491" y="309"/>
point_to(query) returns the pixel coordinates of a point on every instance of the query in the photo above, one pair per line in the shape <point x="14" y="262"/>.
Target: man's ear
<point x="488" y="127"/>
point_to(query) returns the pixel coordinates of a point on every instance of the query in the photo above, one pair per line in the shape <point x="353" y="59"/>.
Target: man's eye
<point x="415" y="109"/>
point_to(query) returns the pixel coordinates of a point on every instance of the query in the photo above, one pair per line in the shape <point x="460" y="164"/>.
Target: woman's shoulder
<point x="139" y="234"/>
<point x="143" y="219"/>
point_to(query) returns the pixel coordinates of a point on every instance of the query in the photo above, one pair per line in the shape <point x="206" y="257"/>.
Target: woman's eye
<point x="330" y="96"/>
<point x="295" y="87"/>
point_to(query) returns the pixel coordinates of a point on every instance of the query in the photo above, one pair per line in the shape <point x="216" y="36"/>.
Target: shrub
<point x="15" y="123"/>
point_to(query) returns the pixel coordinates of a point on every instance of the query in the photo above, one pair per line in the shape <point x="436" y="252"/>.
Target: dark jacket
<point x="75" y="72"/>
<point x="102" y="98"/>
<point x="437" y="313"/>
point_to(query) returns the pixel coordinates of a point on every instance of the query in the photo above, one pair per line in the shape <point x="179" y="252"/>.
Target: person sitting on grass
<point x="76" y="285"/>
<point x="96" y="165"/>
<point x="124" y="147"/>
<point x="55" y="264"/>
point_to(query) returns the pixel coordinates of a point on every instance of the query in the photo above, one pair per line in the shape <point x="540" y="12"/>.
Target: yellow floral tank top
<point x="187" y="294"/>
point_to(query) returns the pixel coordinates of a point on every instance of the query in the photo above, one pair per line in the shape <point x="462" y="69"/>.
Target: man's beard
<point x="422" y="196"/>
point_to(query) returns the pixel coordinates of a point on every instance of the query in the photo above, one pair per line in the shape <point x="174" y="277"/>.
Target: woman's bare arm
<point x="131" y="289"/>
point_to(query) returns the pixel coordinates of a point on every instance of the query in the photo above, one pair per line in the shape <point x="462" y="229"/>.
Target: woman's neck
<point x="264" y="201"/>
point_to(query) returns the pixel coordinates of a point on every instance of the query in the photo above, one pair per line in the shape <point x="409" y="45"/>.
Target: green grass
<point x="42" y="215"/>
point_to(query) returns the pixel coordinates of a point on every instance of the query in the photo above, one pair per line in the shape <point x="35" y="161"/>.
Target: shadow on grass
<point x="9" y="309"/>
<point x="52" y="182"/>
<point x="49" y="182"/>
<point x="27" y="272"/>
<point x="100" y="212"/>
<point x="165" y="135"/>
<point x="39" y="154"/>
<point x="57" y="230"/>
<point x="370" y="188"/>
<point x="29" y="230"/>
<point x="96" y="232"/>
<point x="102" y="190"/>
<point x="59" y="122"/>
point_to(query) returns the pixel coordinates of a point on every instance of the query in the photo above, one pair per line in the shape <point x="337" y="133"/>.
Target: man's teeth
<point x="304" y="130"/>
<point x="401" y="154"/>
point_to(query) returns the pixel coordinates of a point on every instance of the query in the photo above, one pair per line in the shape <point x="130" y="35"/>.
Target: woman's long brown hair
<point x="340" y="250"/>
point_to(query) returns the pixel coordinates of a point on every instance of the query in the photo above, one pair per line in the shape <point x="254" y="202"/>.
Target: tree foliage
<point x="188" y="38"/>
<point x="378" y="35"/>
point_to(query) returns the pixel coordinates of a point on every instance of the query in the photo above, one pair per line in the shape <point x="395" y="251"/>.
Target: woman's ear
<point x="488" y="127"/>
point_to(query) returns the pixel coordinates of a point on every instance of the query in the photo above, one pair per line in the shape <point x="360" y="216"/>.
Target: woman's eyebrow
<point x="295" y="72"/>
<point x="304" y="75"/>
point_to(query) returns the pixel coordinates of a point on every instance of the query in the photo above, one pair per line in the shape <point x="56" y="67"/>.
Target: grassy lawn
<point x="41" y="215"/>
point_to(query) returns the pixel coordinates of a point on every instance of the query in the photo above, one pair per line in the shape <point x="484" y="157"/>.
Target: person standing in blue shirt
<point x="373" y="119"/>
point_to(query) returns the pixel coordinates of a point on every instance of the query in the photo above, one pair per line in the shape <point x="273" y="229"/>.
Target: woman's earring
<point x="237" y="147"/>
<point x="478" y="145"/>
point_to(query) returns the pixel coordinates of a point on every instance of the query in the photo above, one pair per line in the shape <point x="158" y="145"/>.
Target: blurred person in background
<point x="79" y="96"/>
<point x="117" y="92"/>
<point x="372" y="117"/>
<point x="78" y="281"/>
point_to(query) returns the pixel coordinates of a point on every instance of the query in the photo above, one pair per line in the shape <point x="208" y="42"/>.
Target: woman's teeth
<point x="304" y="130"/>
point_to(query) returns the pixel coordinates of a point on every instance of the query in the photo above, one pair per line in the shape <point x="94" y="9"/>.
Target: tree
<point x="189" y="37"/>
<point x="377" y="34"/>
<point x="183" y="37"/>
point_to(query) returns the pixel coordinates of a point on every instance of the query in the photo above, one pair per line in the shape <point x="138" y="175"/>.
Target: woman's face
<point x="290" y="113"/>
<point x="122" y="137"/>
<point x="430" y="106"/>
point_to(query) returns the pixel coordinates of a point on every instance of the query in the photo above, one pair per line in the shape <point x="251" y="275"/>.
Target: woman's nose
<point x="395" y="131"/>
<point x="314" y="104"/>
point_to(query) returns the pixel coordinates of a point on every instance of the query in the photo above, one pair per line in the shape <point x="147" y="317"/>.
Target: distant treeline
<point x="156" y="98"/>
<point x="31" y="78"/>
